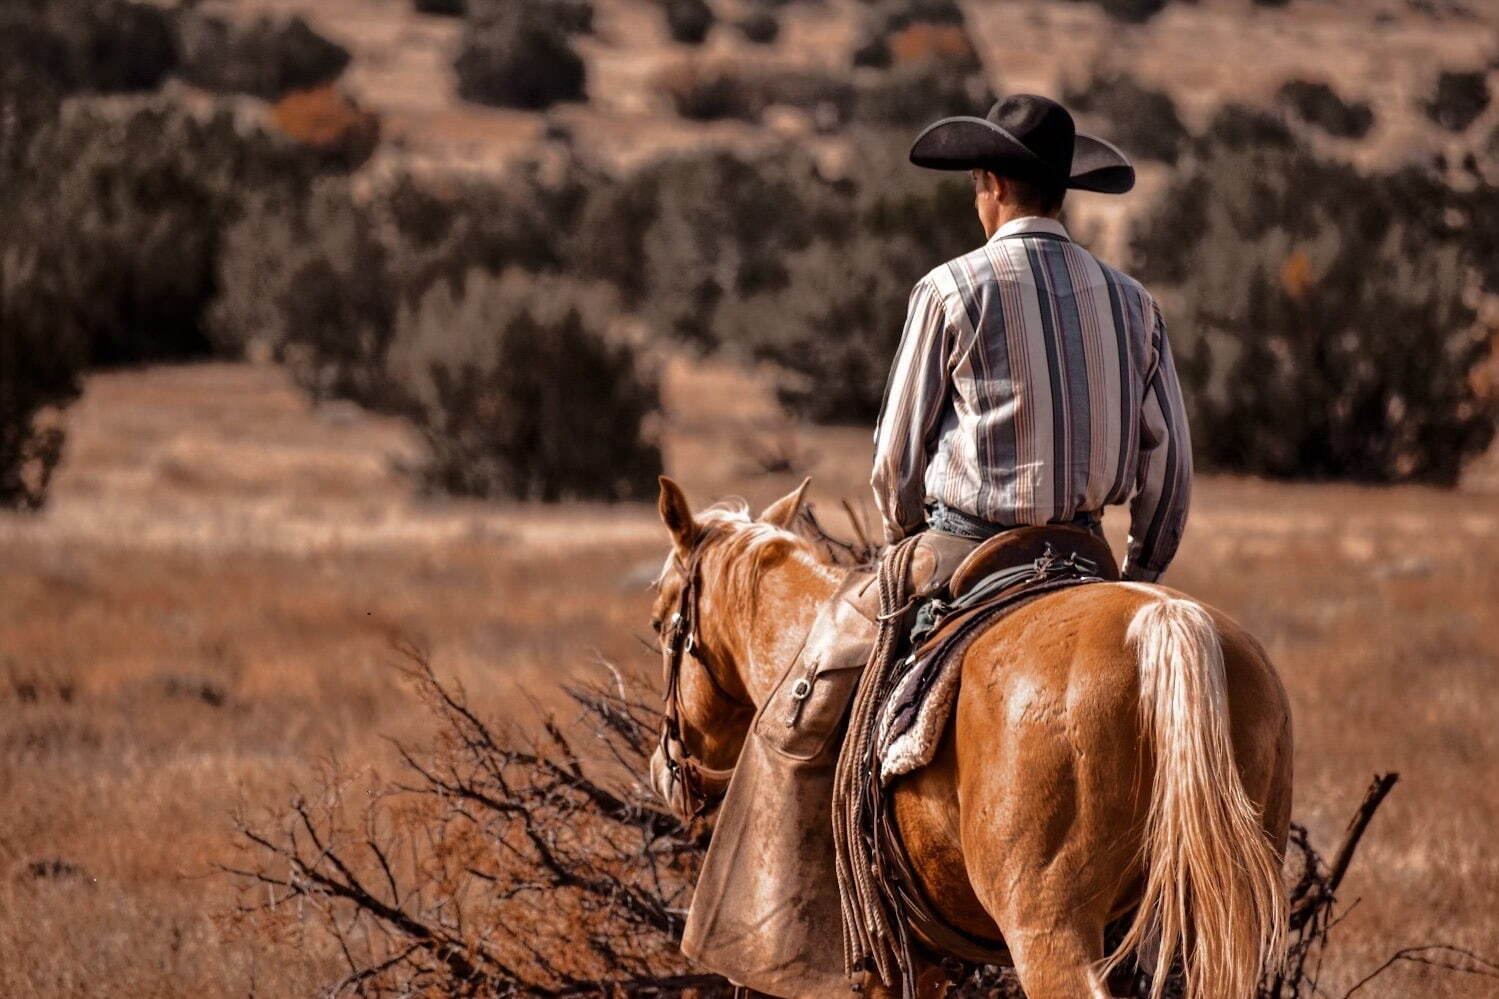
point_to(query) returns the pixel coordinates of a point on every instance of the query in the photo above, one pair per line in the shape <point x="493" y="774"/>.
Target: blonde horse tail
<point x="1212" y="890"/>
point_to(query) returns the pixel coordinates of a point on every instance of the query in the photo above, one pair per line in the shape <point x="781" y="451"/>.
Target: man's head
<point x="1001" y="198"/>
<point x="1023" y="157"/>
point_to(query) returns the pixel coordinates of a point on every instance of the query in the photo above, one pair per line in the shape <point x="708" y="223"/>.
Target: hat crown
<point x="1041" y="124"/>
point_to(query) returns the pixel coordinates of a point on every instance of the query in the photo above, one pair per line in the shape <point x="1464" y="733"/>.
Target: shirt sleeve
<point x="914" y="396"/>
<point x="1158" y="513"/>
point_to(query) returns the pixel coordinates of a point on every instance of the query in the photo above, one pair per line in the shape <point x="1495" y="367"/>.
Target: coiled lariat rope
<point x="874" y="934"/>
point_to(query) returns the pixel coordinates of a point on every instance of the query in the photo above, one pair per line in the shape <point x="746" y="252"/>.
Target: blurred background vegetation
<point x="177" y="182"/>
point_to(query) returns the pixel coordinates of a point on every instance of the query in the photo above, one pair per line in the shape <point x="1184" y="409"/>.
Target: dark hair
<point x="1037" y="196"/>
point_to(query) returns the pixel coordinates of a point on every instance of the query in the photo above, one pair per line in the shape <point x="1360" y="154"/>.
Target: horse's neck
<point x="788" y="596"/>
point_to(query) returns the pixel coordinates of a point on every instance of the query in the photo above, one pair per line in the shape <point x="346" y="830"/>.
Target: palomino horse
<point x="1115" y="748"/>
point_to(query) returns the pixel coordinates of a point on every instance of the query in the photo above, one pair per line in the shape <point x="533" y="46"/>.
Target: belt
<point x="941" y="517"/>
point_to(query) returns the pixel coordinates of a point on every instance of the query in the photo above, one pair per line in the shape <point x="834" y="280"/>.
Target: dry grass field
<point x="203" y="616"/>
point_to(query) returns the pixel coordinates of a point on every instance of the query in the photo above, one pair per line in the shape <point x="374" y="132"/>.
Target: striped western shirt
<point x="1033" y="383"/>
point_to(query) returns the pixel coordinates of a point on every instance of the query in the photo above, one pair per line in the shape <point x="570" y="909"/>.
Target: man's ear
<point x="676" y="514"/>
<point x="782" y="513"/>
<point x="995" y="185"/>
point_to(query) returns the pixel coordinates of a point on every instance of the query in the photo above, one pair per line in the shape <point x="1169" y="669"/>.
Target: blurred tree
<point x="123" y="215"/>
<point x="520" y="393"/>
<point x="1459" y="99"/>
<point x="39" y="368"/>
<point x="1318" y="104"/>
<point x="1141" y="121"/>
<point x="266" y="57"/>
<point x="515" y="53"/>
<point x="1132" y="11"/>
<point x="90" y="45"/>
<point x="1326" y="329"/>
<point x="688" y="21"/>
<point x="760" y="27"/>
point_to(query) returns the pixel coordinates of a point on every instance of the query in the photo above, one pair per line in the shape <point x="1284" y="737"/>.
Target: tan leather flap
<point x="805" y="711"/>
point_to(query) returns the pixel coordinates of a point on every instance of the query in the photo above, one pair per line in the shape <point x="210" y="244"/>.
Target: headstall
<point x="703" y="785"/>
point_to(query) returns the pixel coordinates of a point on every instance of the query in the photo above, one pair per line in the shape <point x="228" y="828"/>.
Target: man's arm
<point x="914" y="397"/>
<point x="1158" y="513"/>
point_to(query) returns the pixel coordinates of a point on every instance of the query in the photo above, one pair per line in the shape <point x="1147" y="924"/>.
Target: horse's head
<point x="703" y="615"/>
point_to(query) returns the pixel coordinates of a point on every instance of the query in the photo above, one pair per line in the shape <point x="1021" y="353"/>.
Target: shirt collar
<point x="1031" y="224"/>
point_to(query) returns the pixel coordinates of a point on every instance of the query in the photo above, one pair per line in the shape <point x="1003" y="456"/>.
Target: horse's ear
<point x="782" y="513"/>
<point x="676" y="514"/>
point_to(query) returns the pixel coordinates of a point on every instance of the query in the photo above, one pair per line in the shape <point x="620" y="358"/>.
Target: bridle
<point x="702" y="785"/>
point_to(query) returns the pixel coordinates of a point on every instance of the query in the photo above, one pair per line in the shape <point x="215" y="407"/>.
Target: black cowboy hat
<point x="1028" y="137"/>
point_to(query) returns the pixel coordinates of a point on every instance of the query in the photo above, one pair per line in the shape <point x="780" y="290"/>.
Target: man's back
<point x="1033" y="384"/>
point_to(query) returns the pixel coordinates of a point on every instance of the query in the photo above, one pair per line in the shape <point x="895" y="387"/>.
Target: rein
<point x="702" y="784"/>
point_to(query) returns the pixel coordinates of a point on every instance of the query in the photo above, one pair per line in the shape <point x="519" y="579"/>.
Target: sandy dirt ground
<point x="204" y="617"/>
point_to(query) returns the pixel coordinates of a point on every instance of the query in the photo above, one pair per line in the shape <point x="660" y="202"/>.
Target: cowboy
<point x="1033" y="385"/>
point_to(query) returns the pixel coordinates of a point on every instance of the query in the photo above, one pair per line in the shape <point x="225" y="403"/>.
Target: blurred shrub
<point x="713" y="92"/>
<point x="81" y="45"/>
<point x="329" y="125"/>
<point x="572" y="16"/>
<point x="760" y="27"/>
<point x="710" y="91"/>
<point x="319" y="281"/>
<point x="1324" y="330"/>
<point x="39" y="366"/>
<point x="1318" y="104"/>
<point x="1459" y="99"/>
<point x="519" y="392"/>
<point x="817" y="283"/>
<point x="882" y="19"/>
<point x="687" y="21"/>
<point x="266" y="57"/>
<point x="912" y="96"/>
<point x="836" y="321"/>
<point x="929" y="65"/>
<point x="123" y="215"/>
<point x="1130" y="11"/>
<point x="723" y="228"/>
<point x="1141" y="121"/>
<point x="834" y="326"/>
<point x="515" y="53"/>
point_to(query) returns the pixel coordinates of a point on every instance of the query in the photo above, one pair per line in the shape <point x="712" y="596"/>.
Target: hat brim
<point x="965" y="142"/>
